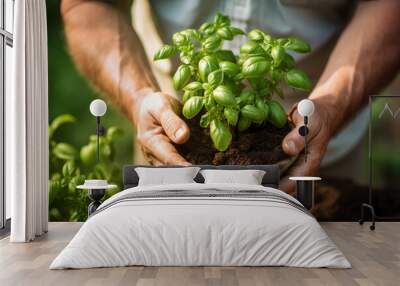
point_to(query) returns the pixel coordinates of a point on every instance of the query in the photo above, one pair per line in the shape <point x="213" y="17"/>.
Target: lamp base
<point x="373" y="217"/>
<point x="95" y="195"/>
<point x="305" y="193"/>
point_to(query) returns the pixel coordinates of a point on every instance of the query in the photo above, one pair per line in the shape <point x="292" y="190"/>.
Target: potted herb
<point x="230" y="98"/>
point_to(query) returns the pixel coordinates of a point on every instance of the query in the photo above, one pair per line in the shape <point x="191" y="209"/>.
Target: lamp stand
<point x="100" y="131"/>
<point x="95" y="195"/>
<point x="303" y="131"/>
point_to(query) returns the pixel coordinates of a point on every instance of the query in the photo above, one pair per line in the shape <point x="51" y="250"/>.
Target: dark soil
<point x="257" y="145"/>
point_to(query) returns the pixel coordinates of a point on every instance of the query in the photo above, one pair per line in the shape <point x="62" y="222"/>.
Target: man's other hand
<point x="320" y="132"/>
<point x="158" y="127"/>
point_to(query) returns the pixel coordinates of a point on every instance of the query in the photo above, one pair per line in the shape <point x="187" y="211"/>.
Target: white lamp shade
<point x="305" y="107"/>
<point x="98" y="107"/>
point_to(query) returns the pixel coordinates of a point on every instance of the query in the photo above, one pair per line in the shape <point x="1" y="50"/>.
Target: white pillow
<point x="248" y="177"/>
<point x="165" y="176"/>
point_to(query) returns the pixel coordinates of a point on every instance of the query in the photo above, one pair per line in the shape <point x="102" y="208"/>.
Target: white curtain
<point x="26" y="124"/>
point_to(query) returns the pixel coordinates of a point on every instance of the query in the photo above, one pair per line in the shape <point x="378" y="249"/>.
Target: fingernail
<point x="179" y="133"/>
<point x="291" y="147"/>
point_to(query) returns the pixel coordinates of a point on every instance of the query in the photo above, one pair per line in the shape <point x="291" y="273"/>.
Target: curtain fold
<point x="26" y="124"/>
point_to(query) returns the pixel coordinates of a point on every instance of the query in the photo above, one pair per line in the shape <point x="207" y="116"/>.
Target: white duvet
<point x="200" y="231"/>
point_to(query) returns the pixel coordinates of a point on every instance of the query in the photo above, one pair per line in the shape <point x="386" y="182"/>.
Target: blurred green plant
<point x="70" y="167"/>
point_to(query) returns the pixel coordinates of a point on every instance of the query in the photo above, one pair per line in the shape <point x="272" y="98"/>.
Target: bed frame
<point x="271" y="177"/>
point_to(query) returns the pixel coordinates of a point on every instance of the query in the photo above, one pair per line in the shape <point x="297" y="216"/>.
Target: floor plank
<point x="375" y="257"/>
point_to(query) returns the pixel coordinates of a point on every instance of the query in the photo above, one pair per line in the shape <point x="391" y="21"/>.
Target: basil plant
<point x="230" y="91"/>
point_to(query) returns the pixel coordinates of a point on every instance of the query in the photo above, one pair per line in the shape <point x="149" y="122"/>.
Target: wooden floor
<point x="375" y="257"/>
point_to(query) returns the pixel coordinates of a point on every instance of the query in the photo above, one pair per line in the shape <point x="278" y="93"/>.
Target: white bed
<point x="267" y="229"/>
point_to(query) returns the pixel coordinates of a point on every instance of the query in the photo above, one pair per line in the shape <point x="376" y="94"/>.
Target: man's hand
<point x="110" y="54"/>
<point x="320" y="132"/>
<point x="362" y="62"/>
<point x="158" y="126"/>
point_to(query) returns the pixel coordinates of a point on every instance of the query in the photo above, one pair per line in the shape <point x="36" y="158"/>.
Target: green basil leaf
<point x="241" y="59"/>
<point x="88" y="154"/>
<point x="59" y="121"/>
<point x="243" y="124"/>
<point x="205" y="120"/>
<point x="191" y="34"/>
<point x="246" y="97"/>
<point x="222" y="20"/>
<point x="215" y="78"/>
<point x="68" y="169"/>
<point x="255" y="67"/>
<point x="188" y="94"/>
<point x="256" y="35"/>
<point x="298" y="45"/>
<point x="193" y="86"/>
<point x="236" y="31"/>
<point x="278" y="54"/>
<point x="165" y="52"/>
<point x="231" y="115"/>
<point x="231" y="84"/>
<point x="206" y="26"/>
<point x="261" y="105"/>
<point x="282" y="41"/>
<point x="277" y="115"/>
<point x="65" y="151"/>
<point x="225" y="55"/>
<point x="289" y="61"/>
<point x="210" y="30"/>
<point x="229" y="68"/>
<point x="206" y="86"/>
<point x="206" y="65"/>
<point x="238" y="77"/>
<point x="220" y="135"/>
<point x="179" y="39"/>
<point x="252" y="113"/>
<point x="251" y="47"/>
<point x="223" y="95"/>
<point x="192" y="107"/>
<point x="209" y="102"/>
<point x="114" y="132"/>
<point x="186" y="57"/>
<point x="298" y="79"/>
<point x="181" y="77"/>
<point x="267" y="39"/>
<point x="225" y="33"/>
<point x="212" y="43"/>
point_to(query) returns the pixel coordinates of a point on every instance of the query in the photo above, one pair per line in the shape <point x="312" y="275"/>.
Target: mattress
<point x="201" y="225"/>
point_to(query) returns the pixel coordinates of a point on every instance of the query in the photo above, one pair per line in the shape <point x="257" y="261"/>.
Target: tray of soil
<point x="228" y="99"/>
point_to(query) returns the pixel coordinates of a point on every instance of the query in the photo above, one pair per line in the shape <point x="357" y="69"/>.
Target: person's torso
<point x="315" y="21"/>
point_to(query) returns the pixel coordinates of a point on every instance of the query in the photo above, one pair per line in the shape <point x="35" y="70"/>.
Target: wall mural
<point x="214" y="89"/>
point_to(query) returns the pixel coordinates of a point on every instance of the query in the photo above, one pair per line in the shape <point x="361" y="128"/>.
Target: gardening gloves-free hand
<point x="158" y="127"/>
<point x="320" y="132"/>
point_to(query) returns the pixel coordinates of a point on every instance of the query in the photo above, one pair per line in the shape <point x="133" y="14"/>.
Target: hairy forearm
<point x="107" y="50"/>
<point x="365" y="59"/>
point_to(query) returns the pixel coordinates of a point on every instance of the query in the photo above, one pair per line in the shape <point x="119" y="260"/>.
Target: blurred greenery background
<point x="70" y="93"/>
